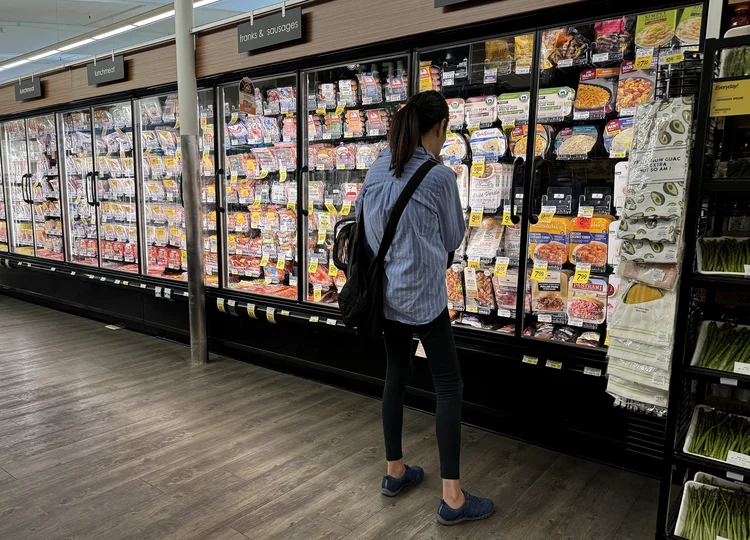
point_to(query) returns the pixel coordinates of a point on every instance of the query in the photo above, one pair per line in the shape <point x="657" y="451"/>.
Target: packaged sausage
<point x="548" y="241"/>
<point x="457" y="113"/>
<point x="484" y="241"/>
<point x="480" y="110"/>
<point x="551" y="295"/>
<point x="478" y="286"/>
<point x="454" y="282"/>
<point x="589" y="245"/>
<point x="347" y="93"/>
<point x="587" y="302"/>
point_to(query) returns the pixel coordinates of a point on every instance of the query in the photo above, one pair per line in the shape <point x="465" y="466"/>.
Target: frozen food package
<point x="523" y="52"/>
<point x="455" y="283"/>
<point x="457" y="113"/>
<point x="576" y="143"/>
<point x="596" y="94"/>
<point x="565" y="334"/>
<point x="635" y="87"/>
<point x="570" y="48"/>
<point x="663" y="276"/>
<point x="589" y="339"/>
<point x="513" y="108"/>
<point x="548" y="241"/>
<point x="455" y="149"/>
<point x="499" y="50"/>
<point x="506" y="290"/>
<point x="478" y="287"/>
<point x="462" y="180"/>
<point x="587" y="302"/>
<point x="589" y="245"/>
<point x="489" y="144"/>
<point x="429" y="76"/>
<point x="519" y="140"/>
<point x="655" y="29"/>
<point x="486" y="191"/>
<point x="544" y="331"/>
<point x="658" y="162"/>
<point x="613" y="39"/>
<point x="688" y="29"/>
<point x="618" y="136"/>
<point x="512" y="241"/>
<point x="555" y="104"/>
<point x="345" y="156"/>
<point x="480" y="110"/>
<point x="484" y="241"/>
<point x="551" y="294"/>
<point x="645" y="314"/>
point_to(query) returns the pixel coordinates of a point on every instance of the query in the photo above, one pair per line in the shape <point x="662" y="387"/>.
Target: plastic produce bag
<point x="645" y="314"/>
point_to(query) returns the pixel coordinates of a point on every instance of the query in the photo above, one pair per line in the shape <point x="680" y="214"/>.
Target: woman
<point x="415" y="295"/>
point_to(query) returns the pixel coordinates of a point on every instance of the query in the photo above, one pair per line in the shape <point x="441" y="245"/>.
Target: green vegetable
<point x="716" y="512"/>
<point x="716" y="433"/>
<point x="724" y="346"/>
<point x="725" y="255"/>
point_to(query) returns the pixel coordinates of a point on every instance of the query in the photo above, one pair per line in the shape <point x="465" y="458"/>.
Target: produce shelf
<point x="709" y="465"/>
<point x="720" y="282"/>
<point x="726" y="185"/>
<point x="714" y="376"/>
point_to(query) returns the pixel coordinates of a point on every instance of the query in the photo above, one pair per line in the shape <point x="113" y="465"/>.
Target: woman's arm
<point x="450" y="214"/>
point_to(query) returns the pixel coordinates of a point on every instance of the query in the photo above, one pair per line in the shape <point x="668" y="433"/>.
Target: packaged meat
<point x="486" y="191"/>
<point x="589" y="244"/>
<point x="345" y="157"/>
<point x="454" y="283"/>
<point x="377" y="122"/>
<point x="462" y="180"/>
<point x="565" y="334"/>
<point x="636" y="86"/>
<point x="571" y="48"/>
<point x="551" y="294"/>
<point x="478" y="286"/>
<point x="481" y="110"/>
<point x="354" y="125"/>
<point x="543" y="331"/>
<point x="589" y="339"/>
<point x="484" y="241"/>
<point x="429" y="76"/>
<point x="455" y="149"/>
<point x="513" y="108"/>
<point x="327" y="95"/>
<point x="576" y="143"/>
<point x="663" y="276"/>
<point x="512" y="241"/>
<point x="488" y="143"/>
<point x="548" y="241"/>
<point x="457" y="113"/>
<point x="371" y="90"/>
<point x="365" y="156"/>
<point x="613" y="39"/>
<point x="587" y="302"/>
<point x="596" y="94"/>
<point x="506" y="290"/>
<point x="618" y="136"/>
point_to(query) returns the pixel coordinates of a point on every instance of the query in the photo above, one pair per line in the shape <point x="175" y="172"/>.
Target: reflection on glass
<point x="45" y="187"/>
<point x="260" y="162"/>
<point x="349" y="111"/>
<point x="208" y="187"/>
<point x="16" y="167"/>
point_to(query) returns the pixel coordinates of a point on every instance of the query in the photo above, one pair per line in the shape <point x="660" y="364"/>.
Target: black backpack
<point x="361" y="298"/>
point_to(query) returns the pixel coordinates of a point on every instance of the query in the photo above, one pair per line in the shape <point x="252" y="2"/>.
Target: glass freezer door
<point x="16" y="167"/>
<point x="259" y="162"/>
<point x="115" y="193"/>
<point x="3" y="211"/>
<point x="79" y="169"/>
<point x="45" y="186"/>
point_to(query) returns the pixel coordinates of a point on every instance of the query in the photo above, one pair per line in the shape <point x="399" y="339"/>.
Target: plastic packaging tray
<point x="699" y="253"/>
<point x="691" y="434"/>
<point x="702" y="343"/>
<point x="682" y="515"/>
<point x="715" y="481"/>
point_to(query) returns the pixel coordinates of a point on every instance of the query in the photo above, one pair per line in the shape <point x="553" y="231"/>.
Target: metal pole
<point x="188" y="98"/>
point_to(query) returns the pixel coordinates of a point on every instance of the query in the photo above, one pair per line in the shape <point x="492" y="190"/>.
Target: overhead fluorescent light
<point x="16" y="64"/>
<point x="44" y="55"/>
<point x="155" y="18"/>
<point x="201" y="3"/>
<point x="76" y="44"/>
<point x="114" y="32"/>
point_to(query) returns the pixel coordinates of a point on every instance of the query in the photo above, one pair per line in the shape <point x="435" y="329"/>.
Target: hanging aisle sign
<point x="29" y="89"/>
<point x="107" y="70"/>
<point x="270" y="30"/>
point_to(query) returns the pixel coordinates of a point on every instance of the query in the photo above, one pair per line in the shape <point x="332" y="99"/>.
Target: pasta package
<point x="596" y="94"/>
<point x="655" y="29"/>
<point x="551" y="295"/>
<point x="636" y="86"/>
<point x="618" y="136"/>
<point x="498" y="50"/>
<point x="524" y="49"/>
<point x="548" y="241"/>
<point x="588" y="301"/>
<point x="519" y="139"/>
<point x="576" y="142"/>
<point x="486" y="191"/>
<point x="590" y="245"/>
<point x="455" y="149"/>
<point x="488" y="143"/>
<point x="688" y="29"/>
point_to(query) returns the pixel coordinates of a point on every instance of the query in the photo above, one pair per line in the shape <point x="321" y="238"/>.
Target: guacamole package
<point x="647" y="251"/>
<point x="548" y="241"/>
<point x="589" y="245"/>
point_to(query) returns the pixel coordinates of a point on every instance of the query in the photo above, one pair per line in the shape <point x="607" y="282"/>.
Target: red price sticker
<point x="584" y="218"/>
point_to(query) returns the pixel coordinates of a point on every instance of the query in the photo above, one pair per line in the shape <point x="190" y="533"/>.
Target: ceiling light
<point x="155" y="18"/>
<point x="76" y="44"/>
<point x="201" y="3"/>
<point x="44" y="55"/>
<point x="115" y="32"/>
<point x="16" y="64"/>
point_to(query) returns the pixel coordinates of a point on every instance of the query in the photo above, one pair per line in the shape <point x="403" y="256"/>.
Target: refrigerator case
<point x="3" y="222"/>
<point x="20" y="204"/>
<point x="208" y="187"/>
<point x="259" y="160"/>
<point x="348" y="114"/>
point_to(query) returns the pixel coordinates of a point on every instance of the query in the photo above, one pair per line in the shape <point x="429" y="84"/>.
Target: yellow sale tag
<point x="292" y="206"/>
<point x="178" y="153"/>
<point x="122" y="154"/>
<point x="474" y="262"/>
<point x="333" y="270"/>
<point x="256" y="203"/>
<point x="313" y="266"/>
<point x="477" y="167"/>
<point x="506" y="218"/>
<point x="606" y="339"/>
<point x="320" y="110"/>
<point x="475" y="220"/>
<point x="280" y="262"/>
<point x="205" y="154"/>
<point x="547" y="213"/>
<point x="177" y="123"/>
<point x="583" y="272"/>
<point x="204" y="122"/>
<point x="472" y="129"/>
<point x="339" y="110"/>
<point x="282" y="174"/>
<point x="233" y="120"/>
<point x="251" y="311"/>
<point x="321" y="237"/>
<point x="539" y="272"/>
<point x="310" y="208"/>
<point x="317" y="293"/>
<point x="674" y="58"/>
<point x="220" y="305"/>
<point x="501" y="266"/>
<point x="346" y="208"/>
<point x="330" y="207"/>
<point x="263" y="174"/>
<point x="271" y="315"/>
<point x="553" y="364"/>
<point x="264" y="260"/>
<point x="644" y="61"/>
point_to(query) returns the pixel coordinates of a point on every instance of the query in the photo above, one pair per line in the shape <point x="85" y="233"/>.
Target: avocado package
<point x="658" y="162"/>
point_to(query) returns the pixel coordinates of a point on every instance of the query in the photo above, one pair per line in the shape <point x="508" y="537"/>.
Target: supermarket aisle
<point x="107" y="434"/>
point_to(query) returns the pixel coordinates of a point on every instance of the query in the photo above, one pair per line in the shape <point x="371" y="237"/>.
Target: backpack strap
<point x="400" y="206"/>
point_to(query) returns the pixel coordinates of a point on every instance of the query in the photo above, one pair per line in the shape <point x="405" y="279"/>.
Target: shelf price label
<point x="333" y="270"/>
<point x="292" y="206"/>
<point x="501" y="266"/>
<point x="251" y="311"/>
<point x="547" y="213"/>
<point x="475" y="220"/>
<point x="644" y="58"/>
<point x="583" y="273"/>
<point x="320" y="110"/>
<point x="339" y="110"/>
<point x="539" y="272"/>
<point x="346" y="208"/>
<point x="264" y="260"/>
<point x="282" y="174"/>
<point x="314" y="318"/>
<point x="280" y="262"/>
<point x="585" y="216"/>
<point x="506" y="217"/>
<point x="606" y="339"/>
<point x="313" y="266"/>
<point x="553" y="364"/>
<point x="321" y="238"/>
<point x="329" y="205"/>
<point x="474" y="262"/>
<point x="220" y="305"/>
<point x="532" y="360"/>
<point x="271" y="315"/>
<point x="477" y="167"/>
<point x="317" y="293"/>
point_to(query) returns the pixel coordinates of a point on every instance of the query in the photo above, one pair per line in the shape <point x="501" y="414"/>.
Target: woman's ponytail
<point x="420" y="114"/>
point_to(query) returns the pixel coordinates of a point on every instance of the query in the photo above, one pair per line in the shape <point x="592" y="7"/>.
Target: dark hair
<point x="420" y="114"/>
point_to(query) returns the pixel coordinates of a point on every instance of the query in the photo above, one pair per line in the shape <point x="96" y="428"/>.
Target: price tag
<point x="575" y="322"/>
<point x="263" y="173"/>
<point x="321" y="238"/>
<point x="747" y="270"/>
<point x="157" y="292"/>
<point x="592" y="371"/>
<point x="644" y="58"/>
<point x="91" y="276"/>
<point x="204" y="121"/>
<point x="168" y="294"/>
<point x="737" y="478"/>
<point x="741" y="460"/>
<point x="310" y="208"/>
<point x="330" y="207"/>
<point x="477" y="167"/>
<point x="544" y="318"/>
<point x="102" y="279"/>
<point x="320" y="110"/>
<point x="522" y="70"/>
<point x="280" y="262"/>
<point x="346" y="208"/>
<point x="662" y="337"/>
<point x="282" y="174"/>
<point x="504" y="313"/>
<point x="506" y="218"/>
<point x="117" y="282"/>
<point x="333" y="270"/>
<point x="583" y="273"/>
<point x="742" y="368"/>
<point x="292" y="206"/>
<point x="314" y="318"/>
<point x="313" y="266"/>
<point x="264" y="260"/>
<point x="475" y="220"/>
<point x="234" y="118"/>
<point x="271" y="315"/>
<point x="72" y="273"/>
<point x="251" y="311"/>
<point x="585" y="216"/>
<point x="600" y="57"/>
<point x="340" y="166"/>
<point x="675" y="58"/>
<point x="501" y="266"/>
<point x="474" y="262"/>
<point x="331" y="322"/>
<point x="256" y="203"/>
<point x="339" y="110"/>
<point x="284" y="312"/>
<point x="320" y="167"/>
<point x="530" y="360"/>
<point x="539" y="272"/>
<point x="348" y="135"/>
<point x="126" y="283"/>
<point x="317" y="293"/>
<point x="553" y="364"/>
<point x="547" y="213"/>
<point x="567" y="62"/>
<point x="449" y="78"/>
<point x="490" y="76"/>
<point x="220" y="305"/>
<point x="606" y="339"/>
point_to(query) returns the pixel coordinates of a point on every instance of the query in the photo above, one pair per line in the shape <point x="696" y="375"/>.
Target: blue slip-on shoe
<point x="393" y="486"/>
<point x="473" y="508"/>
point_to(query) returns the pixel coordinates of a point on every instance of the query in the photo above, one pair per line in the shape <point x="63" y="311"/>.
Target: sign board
<point x="29" y="89"/>
<point x="730" y="98"/>
<point x="444" y="3"/>
<point x="105" y="71"/>
<point x="270" y="30"/>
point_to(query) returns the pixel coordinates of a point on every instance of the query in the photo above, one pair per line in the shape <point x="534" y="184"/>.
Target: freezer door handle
<point x="27" y="184"/>
<point x="95" y="186"/>
<point x="221" y="206"/>
<point x="182" y="193"/>
<point x="86" y="187"/>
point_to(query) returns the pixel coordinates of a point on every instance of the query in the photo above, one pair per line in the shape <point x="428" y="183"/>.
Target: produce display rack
<point x="702" y="298"/>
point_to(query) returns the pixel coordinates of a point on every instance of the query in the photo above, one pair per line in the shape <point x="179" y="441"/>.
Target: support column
<point x="187" y="90"/>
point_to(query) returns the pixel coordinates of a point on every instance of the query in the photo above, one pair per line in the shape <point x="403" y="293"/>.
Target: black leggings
<point x="437" y="339"/>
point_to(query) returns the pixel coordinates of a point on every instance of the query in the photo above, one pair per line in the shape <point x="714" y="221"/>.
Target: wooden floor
<point x="109" y="434"/>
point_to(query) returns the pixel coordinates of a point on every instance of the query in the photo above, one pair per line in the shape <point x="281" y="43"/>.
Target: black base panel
<point x="560" y="409"/>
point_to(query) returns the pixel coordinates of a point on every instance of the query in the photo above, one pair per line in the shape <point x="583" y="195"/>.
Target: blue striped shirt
<point x="431" y="226"/>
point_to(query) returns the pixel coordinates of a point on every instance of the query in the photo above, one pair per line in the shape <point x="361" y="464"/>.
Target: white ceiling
<point x="29" y="25"/>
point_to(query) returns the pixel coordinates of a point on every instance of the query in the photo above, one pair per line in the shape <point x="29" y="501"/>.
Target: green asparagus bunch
<point x="736" y="62"/>
<point x="726" y="255"/>
<point x="717" y="433"/>
<point x="724" y="346"/>
<point x="717" y="512"/>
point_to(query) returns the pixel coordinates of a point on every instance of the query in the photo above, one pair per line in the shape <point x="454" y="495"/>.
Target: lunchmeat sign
<point x="269" y="31"/>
